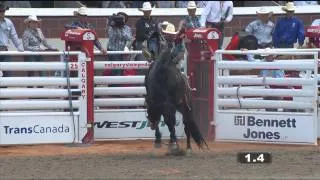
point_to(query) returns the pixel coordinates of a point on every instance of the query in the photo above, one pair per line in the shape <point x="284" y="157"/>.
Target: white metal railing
<point x="245" y="112"/>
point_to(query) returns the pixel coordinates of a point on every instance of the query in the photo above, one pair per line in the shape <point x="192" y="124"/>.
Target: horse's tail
<point x="192" y="127"/>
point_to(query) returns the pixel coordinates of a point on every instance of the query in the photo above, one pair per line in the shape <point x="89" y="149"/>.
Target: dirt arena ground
<point x="139" y="160"/>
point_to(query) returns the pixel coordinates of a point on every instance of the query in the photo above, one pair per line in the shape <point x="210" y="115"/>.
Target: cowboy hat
<point x="192" y="5"/>
<point x="32" y="18"/>
<point x="170" y="29"/>
<point x="3" y="7"/>
<point x="264" y="10"/>
<point x="82" y="11"/>
<point x="146" y="6"/>
<point x="289" y="7"/>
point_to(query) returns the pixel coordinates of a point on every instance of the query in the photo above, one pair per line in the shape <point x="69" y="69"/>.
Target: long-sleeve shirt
<point x="287" y="31"/>
<point x="118" y="37"/>
<point x="32" y="40"/>
<point x="275" y="73"/>
<point x="215" y="11"/>
<point x="84" y="25"/>
<point x="263" y="32"/>
<point x="8" y="31"/>
<point x="144" y="28"/>
<point x="190" y="22"/>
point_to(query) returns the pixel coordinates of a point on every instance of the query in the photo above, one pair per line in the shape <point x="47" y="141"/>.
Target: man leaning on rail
<point x="82" y="23"/>
<point x="7" y="31"/>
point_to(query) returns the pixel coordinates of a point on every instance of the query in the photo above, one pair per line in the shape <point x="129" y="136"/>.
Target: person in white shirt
<point x="216" y="14"/>
<point x="262" y="28"/>
<point x="305" y="3"/>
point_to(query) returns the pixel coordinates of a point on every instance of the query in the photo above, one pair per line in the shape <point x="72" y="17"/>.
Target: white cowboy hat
<point x="263" y="10"/>
<point x="289" y="7"/>
<point x="32" y="18"/>
<point x="266" y="53"/>
<point x="82" y="11"/>
<point x="170" y="29"/>
<point x="192" y="5"/>
<point x="146" y="6"/>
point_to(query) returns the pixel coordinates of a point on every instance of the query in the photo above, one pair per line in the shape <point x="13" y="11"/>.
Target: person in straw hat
<point x="288" y="29"/>
<point x="82" y="23"/>
<point x="34" y="40"/>
<point x="262" y="28"/>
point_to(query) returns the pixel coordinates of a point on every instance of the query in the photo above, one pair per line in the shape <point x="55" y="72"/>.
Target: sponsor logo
<point x="197" y="36"/>
<point x="252" y="121"/>
<point x="309" y="30"/>
<point x="128" y="124"/>
<point x="37" y="129"/>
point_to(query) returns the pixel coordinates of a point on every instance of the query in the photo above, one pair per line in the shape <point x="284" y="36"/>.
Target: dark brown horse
<point x="168" y="91"/>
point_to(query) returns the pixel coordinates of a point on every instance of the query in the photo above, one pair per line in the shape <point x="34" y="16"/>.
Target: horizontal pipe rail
<point x="119" y="91"/>
<point x="35" y="66"/>
<point x="37" y="104"/>
<point x="37" y="81"/>
<point x="247" y="91"/>
<point x="285" y="65"/>
<point x="35" y="92"/>
<point x="119" y="102"/>
<point x="118" y="80"/>
<point x="264" y="81"/>
<point x="256" y="104"/>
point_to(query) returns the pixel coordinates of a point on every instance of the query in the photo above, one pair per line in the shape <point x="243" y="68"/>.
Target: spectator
<point x="288" y="29"/>
<point x="34" y="40"/>
<point x="190" y="21"/>
<point x="147" y="30"/>
<point x="271" y="73"/>
<point x="201" y="4"/>
<point x="165" y="4"/>
<point x="82" y="23"/>
<point x="216" y="14"/>
<point x="113" y="4"/>
<point x="181" y="4"/>
<point x="7" y="32"/>
<point x="17" y="4"/>
<point x="262" y="28"/>
<point x="120" y="37"/>
<point x="305" y="3"/>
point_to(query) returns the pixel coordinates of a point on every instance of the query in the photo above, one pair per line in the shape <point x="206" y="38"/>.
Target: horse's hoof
<point x="173" y="146"/>
<point x="189" y="151"/>
<point x="157" y="145"/>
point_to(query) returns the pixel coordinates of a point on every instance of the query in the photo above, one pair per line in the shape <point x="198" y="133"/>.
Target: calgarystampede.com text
<point x="127" y="65"/>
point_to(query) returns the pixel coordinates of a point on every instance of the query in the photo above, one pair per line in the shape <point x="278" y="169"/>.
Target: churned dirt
<point x="139" y="160"/>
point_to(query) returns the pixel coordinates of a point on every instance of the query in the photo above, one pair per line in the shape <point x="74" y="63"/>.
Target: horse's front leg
<point x="157" y="142"/>
<point x="170" y="120"/>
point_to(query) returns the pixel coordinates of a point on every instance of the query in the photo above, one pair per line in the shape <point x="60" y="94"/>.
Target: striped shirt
<point x="118" y="37"/>
<point x="33" y="39"/>
<point x="8" y="31"/>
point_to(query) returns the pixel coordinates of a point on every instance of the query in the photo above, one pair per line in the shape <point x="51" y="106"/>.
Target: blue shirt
<point x="7" y="32"/>
<point x="287" y="31"/>
<point x="277" y="73"/>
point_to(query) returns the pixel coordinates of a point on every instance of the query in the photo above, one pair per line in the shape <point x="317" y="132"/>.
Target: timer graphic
<point x="254" y="157"/>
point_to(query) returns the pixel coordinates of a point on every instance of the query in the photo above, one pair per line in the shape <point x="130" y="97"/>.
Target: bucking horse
<point x="168" y="91"/>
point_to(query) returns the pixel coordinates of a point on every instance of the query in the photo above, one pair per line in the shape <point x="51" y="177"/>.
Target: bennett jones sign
<point x="266" y="128"/>
<point x="130" y="124"/>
